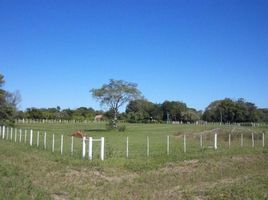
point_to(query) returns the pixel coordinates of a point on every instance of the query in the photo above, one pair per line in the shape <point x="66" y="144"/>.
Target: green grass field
<point x="31" y="172"/>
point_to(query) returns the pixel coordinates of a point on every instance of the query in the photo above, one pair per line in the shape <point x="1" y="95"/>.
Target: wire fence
<point x="134" y="146"/>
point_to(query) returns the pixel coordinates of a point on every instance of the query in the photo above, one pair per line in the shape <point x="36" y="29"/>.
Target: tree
<point x="8" y="103"/>
<point x="115" y="94"/>
<point x="228" y="110"/>
<point x="173" y="110"/>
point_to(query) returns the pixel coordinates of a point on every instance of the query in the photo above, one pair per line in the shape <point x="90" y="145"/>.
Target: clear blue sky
<point x="55" y="51"/>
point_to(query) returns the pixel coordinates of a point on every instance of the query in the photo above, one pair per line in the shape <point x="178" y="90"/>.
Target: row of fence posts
<point x="215" y="143"/>
<point x="4" y="133"/>
<point x="7" y="133"/>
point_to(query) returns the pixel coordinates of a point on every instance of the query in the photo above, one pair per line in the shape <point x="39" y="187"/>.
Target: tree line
<point x="144" y="111"/>
<point x="117" y="93"/>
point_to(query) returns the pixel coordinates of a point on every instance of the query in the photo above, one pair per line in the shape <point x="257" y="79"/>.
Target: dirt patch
<point x="186" y="166"/>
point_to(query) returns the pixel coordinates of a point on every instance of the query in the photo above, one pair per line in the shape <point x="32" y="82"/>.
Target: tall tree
<point x="8" y="103"/>
<point x="115" y="94"/>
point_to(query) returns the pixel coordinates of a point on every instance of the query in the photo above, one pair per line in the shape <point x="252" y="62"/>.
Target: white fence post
<point x="127" y="148"/>
<point x="168" y="145"/>
<point x="215" y="141"/>
<point x="229" y="141"/>
<point x="262" y="139"/>
<point x="84" y="147"/>
<point x="90" y="148"/>
<point x="20" y="135"/>
<point x="184" y="143"/>
<point x="252" y="139"/>
<point x="31" y="137"/>
<point x="15" y="135"/>
<point x="148" y="147"/>
<point x="37" y="139"/>
<point x="72" y="145"/>
<point x="201" y="141"/>
<point x="25" y="136"/>
<point x="45" y="140"/>
<point x="53" y="142"/>
<point x="61" y="145"/>
<point x="242" y="140"/>
<point x="7" y="133"/>
<point x="102" y="148"/>
<point x="3" y="134"/>
<point x="11" y="134"/>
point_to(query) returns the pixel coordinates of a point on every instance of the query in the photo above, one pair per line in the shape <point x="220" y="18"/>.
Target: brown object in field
<point x="79" y="134"/>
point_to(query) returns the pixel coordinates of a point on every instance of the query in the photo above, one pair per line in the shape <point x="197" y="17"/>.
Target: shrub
<point x="121" y="128"/>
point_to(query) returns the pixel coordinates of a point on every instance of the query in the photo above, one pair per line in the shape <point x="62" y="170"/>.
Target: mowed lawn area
<point x="160" y="170"/>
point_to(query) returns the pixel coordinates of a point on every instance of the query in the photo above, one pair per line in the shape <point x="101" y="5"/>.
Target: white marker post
<point x="37" y="139"/>
<point x="229" y="141"/>
<point x="20" y="135"/>
<point x="11" y="134"/>
<point x="53" y="143"/>
<point x="168" y="145"/>
<point x="31" y="138"/>
<point x="102" y="148"/>
<point x="15" y="135"/>
<point x="127" y="147"/>
<point x="184" y="143"/>
<point x="148" y="147"/>
<point x="61" y="145"/>
<point x="7" y="133"/>
<point x="25" y="136"/>
<point x="45" y="140"/>
<point x="201" y="141"/>
<point x="84" y="147"/>
<point x="72" y="145"/>
<point x="215" y="141"/>
<point x="262" y="139"/>
<point x="90" y="148"/>
<point x="252" y="139"/>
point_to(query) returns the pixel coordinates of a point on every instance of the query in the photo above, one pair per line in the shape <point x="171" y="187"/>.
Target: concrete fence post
<point x="61" y="145"/>
<point x="229" y="141"/>
<point x="7" y="133"/>
<point x="201" y="141"/>
<point x="184" y="143"/>
<point x="72" y="145"/>
<point x="53" y="143"/>
<point x="84" y="147"/>
<point x="148" y="146"/>
<point x="215" y="141"/>
<point x="25" y="136"/>
<point x="168" y="141"/>
<point x="45" y="140"/>
<point x="15" y="136"/>
<point x="263" y="140"/>
<point x="31" y="138"/>
<point x="252" y="139"/>
<point x="20" y="135"/>
<point x="127" y="147"/>
<point x="90" y="148"/>
<point x="102" y="148"/>
<point x="11" y="133"/>
<point x="37" y="139"/>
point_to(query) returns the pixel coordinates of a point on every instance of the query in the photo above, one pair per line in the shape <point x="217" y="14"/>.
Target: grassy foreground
<point x="34" y="173"/>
